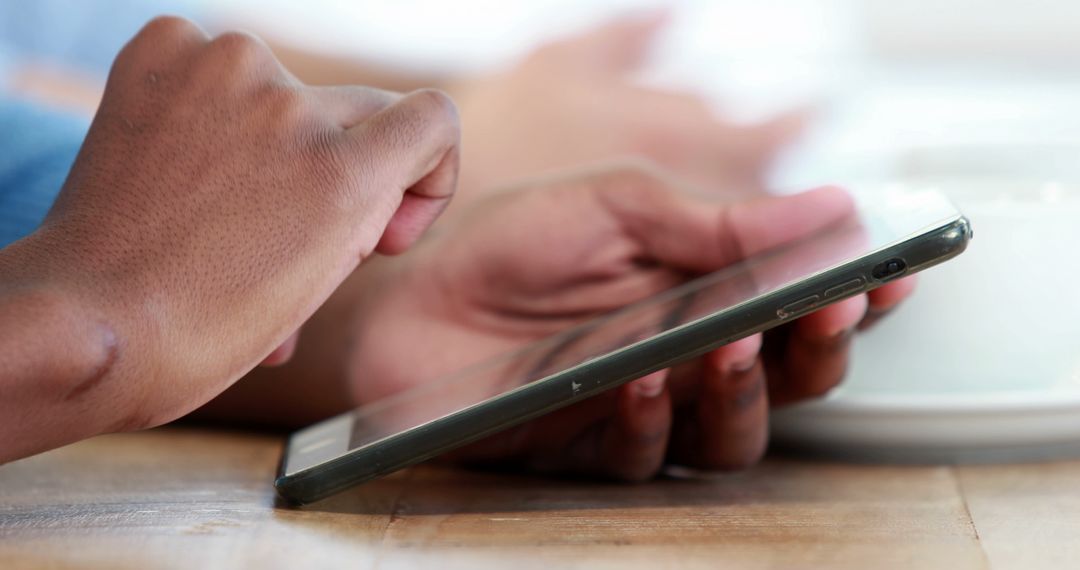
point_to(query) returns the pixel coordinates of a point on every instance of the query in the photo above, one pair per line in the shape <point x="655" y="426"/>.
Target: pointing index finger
<point x="412" y="155"/>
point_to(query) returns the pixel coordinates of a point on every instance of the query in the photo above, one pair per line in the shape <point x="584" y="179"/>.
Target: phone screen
<point x="894" y="219"/>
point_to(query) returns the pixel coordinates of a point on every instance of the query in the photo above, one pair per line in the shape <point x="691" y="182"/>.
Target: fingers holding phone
<point x="519" y="268"/>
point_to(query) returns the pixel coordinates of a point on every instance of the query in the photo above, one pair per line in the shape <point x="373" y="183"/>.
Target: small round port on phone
<point x="889" y="269"/>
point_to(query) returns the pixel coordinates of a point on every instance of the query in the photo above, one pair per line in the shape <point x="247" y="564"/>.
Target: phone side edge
<point x="665" y="350"/>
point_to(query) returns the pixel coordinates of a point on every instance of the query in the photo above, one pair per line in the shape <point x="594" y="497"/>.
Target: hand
<point x="524" y="265"/>
<point x="216" y="203"/>
<point x="573" y="102"/>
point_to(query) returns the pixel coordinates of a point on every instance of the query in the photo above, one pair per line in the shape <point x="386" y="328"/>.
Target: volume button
<point x="798" y="306"/>
<point x="844" y="288"/>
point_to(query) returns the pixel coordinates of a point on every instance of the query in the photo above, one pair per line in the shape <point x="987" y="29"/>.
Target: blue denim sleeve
<point x="76" y="34"/>
<point x="37" y="148"/>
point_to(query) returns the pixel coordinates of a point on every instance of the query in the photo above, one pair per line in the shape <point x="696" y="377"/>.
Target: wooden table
<point x="203" y="499"/>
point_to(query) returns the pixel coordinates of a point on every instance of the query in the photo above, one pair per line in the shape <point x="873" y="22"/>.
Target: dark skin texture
<point x="215" y="204"/>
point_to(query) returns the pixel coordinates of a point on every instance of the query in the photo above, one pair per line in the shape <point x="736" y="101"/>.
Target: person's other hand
<point x="526" y="264"/>
<point x="215" y="204"/>
<point x="574" y="102"/>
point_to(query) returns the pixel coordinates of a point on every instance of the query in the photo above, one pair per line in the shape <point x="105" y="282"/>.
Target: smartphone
<point x="896" y="234"/>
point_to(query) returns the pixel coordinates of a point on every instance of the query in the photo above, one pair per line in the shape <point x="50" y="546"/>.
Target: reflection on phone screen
<point x="692" y="301"/>
<point x="699" y="298"/>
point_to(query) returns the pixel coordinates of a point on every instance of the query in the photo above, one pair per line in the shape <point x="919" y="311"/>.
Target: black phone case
<point x="609" y="371"/>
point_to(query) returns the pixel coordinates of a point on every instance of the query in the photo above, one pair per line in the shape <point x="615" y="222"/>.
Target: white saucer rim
<point x="985" y="403"/>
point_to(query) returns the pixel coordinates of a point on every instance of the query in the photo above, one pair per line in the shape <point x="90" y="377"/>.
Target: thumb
<point x="412" y="150"/>
<point x="756" y="144"/>
<point x="688" y="233"/>
<point x="617" y="47"/>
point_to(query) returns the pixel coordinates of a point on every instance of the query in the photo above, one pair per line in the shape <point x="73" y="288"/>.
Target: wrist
<point x="53" y="344"/>
<point x="58" y="357"/>
<point x="54" y="363"/>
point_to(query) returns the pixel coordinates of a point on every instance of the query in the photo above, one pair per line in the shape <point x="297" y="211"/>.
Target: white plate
<point x="983" y="363"/>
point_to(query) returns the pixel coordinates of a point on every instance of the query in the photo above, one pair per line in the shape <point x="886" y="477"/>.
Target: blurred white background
<point x="978" y="98"/>
<point x="916" y="88"/>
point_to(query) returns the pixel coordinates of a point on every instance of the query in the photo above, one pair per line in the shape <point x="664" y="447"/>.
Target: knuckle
<point x="436" y="110"/>
<point x="158" y="36"/>
<point x="169" y="27"/>
<point x="240" y="48"/>
<point x="437" y="103"/>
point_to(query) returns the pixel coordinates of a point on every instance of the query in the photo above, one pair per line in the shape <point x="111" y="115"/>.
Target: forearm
<point x="55" y="358"/>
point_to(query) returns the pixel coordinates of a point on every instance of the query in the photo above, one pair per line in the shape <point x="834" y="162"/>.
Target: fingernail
<point x="840" y="336"/>
<point x="845" y="334"/>
<point x="649" y="386"/>
<point x="742" y="366"/>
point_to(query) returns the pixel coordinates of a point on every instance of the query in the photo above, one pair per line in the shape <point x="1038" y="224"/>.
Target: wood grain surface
<point x="191" y="498"/>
